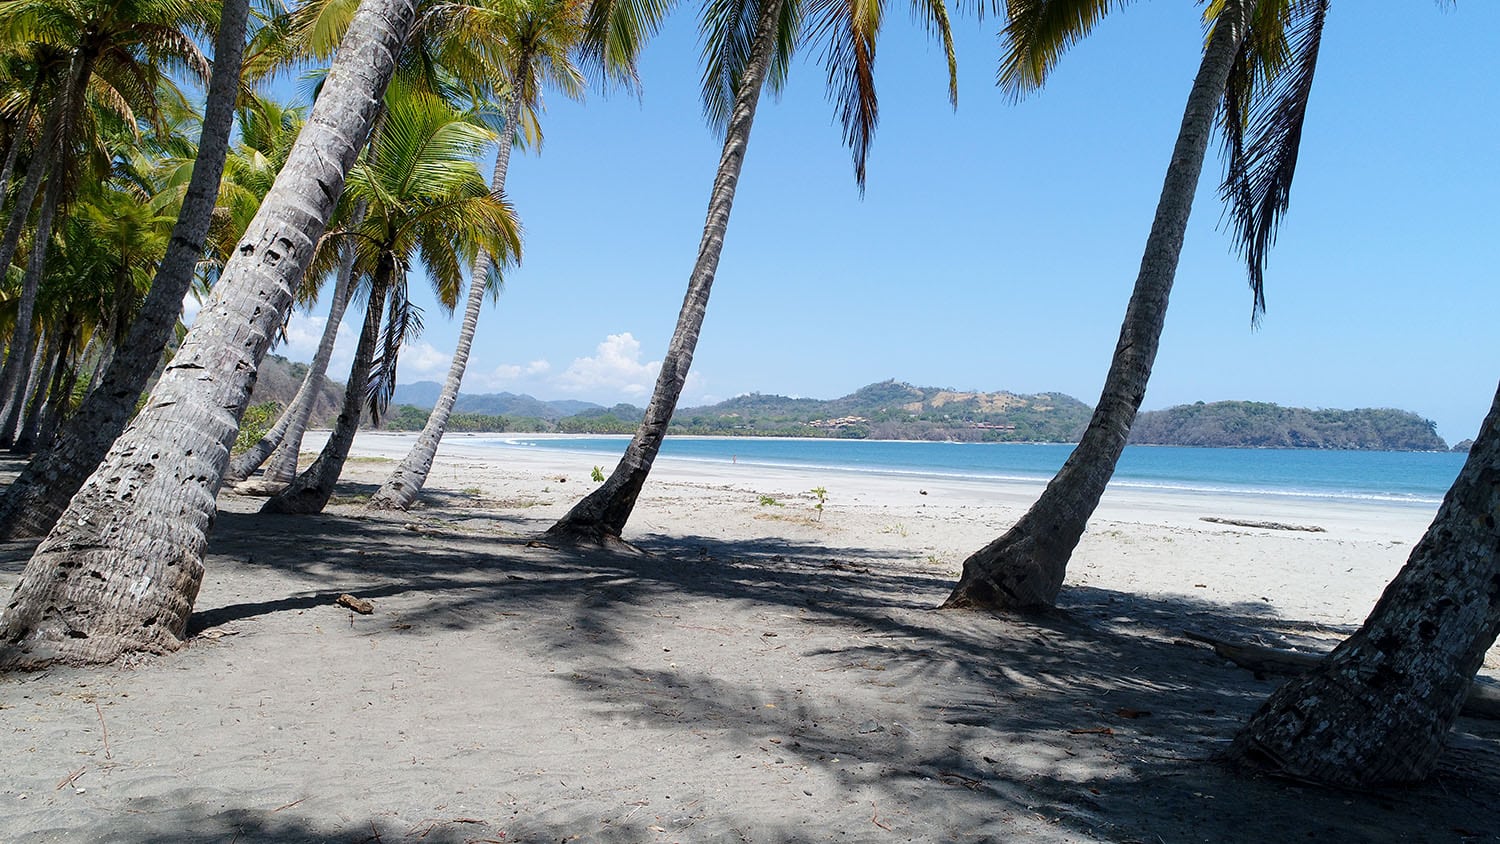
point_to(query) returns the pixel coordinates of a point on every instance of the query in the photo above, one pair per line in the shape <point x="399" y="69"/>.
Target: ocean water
<point x="1414" y="477"/>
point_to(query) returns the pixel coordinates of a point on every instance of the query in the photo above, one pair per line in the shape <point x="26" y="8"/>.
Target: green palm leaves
<point x="1261" y="114"/>
<point x="844" y="32"/>
<point x="425" y="200"/>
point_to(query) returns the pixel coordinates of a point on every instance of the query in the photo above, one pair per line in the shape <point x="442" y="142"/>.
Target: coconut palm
<point x="426" y="200"/>
<point x="122" y="49"/>
<point x="33" y="502"/>
<point x="120" y="571"/>
<point x="453" y="47"/>
<point x="749" y="42"/>
<point x="1256" y="72"/>
<point x="535" y="51"/>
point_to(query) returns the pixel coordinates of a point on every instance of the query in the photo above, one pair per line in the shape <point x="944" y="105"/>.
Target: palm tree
<point x="748" y="44"/>
<point x="1378" y="710"/>
<point x="424" y="198"/>
<point x="538" y="39"/>
<point x="33" y="502"/>
<point x="120" y="571"/>
<point x="452" y="46"/>
<point x="1259" y="63"/>
<point x="124" y="47"/>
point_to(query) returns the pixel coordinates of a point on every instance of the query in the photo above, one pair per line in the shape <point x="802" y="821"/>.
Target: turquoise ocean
<point x="1393" y="476"/>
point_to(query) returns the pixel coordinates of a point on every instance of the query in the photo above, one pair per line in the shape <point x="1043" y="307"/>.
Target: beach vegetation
<point x="597" y="475"/>
<point x="748" y="46"/>
<point x="536" y="42"/>
<point x="770" y="501"/>
<point x="821" y="494"/>
<point x="256" y="422"/>
<point x="423" y="200"/>
<point x="139" y="524"/>
<point x="1254" y="81"/>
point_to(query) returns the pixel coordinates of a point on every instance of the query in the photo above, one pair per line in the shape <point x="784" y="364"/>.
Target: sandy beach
<point x="765" y="672"/>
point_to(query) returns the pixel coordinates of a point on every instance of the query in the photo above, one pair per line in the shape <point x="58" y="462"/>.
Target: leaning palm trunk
<point x="17" y="140"/>
<point x="33" y="502"/>
<point x="45" y="375"/>
<point x="603" y="513"/>
<point x="36" y="170"/>
<point x="59" y="398"/>
<point x="1024" y="568"/>
<point x="17" y="357"/>
<point x="309" y="492"/>
<point x="121" y="569"/>
<point x="1378" y="710"/>
<point x="401" y="488"/>
<point x="285" y="437"/>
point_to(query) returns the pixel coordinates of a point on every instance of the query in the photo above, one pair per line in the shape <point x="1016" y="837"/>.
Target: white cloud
<point x="613" y="373"/>
<point x="304" y="332"/>
<point x="421" y="361"/>
<point x="616" y="367"/>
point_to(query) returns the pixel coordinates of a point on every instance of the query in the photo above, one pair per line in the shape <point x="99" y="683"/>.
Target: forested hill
<point x="897" y="411"/>
<point x="1244" y="424"/>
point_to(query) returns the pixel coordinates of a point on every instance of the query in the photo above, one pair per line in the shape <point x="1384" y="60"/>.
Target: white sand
<point x="764" y="675"/>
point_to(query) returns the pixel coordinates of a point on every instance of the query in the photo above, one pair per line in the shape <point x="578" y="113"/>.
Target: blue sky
<point x="996" y="245"/>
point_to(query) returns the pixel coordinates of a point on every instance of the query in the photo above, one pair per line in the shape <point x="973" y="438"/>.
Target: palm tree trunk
<point x="45" y="381"/>
<point x="33" y="502"/>
<point x="310" y="491"/>
<point x="120" y="570"/>
<point x="602" y="515"/>
<point x="17" y="358"/>
<point x="1378" y="710"/>
<point x="62" y="390"/>
<point x="286" y="435"/>
<point x="1023" y="569"/>
<point x="36" y="170"/>
<point x="17" y="140"/>
<point x="401" y="488"/>
<point x="37" y="374"/>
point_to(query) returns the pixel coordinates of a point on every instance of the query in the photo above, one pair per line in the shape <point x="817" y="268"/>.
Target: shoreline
<point x="1333" y="576"/>
<point x="763" y="672"/>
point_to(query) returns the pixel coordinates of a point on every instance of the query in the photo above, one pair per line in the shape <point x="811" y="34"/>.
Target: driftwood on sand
<point x="1483" y="700"/>
<point x="1252" y="523"/>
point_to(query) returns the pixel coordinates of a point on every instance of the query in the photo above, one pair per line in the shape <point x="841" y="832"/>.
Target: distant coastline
<point x="899" y="412"/>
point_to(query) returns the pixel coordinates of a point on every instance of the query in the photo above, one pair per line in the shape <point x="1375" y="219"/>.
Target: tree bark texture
<point x="1023" y="570"/>
<point x="121" y="569"/>
<point x="401" y="488"/>
<point x="1378" y="710"/>
<point x="285" y="437"/>
<point x="309" y="492"/>
<point x="27" y="388"/>
<point x="47" y="371"/>
<point x="602" y="514"/>
<point x="59" y="392"/>
<point x="31" y="505"/>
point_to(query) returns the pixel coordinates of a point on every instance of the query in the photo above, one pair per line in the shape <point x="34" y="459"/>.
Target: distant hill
<point x="278" y="380"/>
<point x="888" y="410"/>
<point x="1244" y="424"/>
<point x="899" y="411"/>
<point x="424" y="395"/>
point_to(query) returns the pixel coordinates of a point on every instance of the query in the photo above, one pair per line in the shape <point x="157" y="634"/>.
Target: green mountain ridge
<point x="898" y="410"/>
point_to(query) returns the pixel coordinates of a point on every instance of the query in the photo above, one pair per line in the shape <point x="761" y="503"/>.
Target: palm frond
<point x="1264" y="112"/>
<point x="403" y="323"/>
<point x="615" y="31"/>
<point x="1038" y="32"/>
